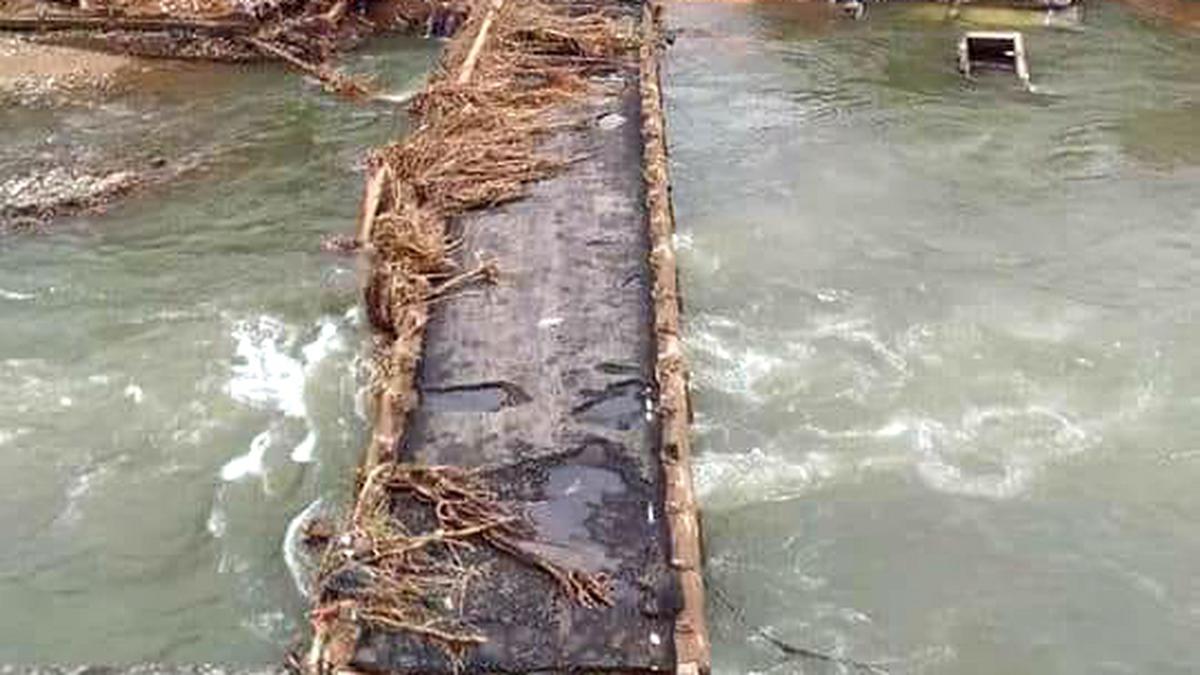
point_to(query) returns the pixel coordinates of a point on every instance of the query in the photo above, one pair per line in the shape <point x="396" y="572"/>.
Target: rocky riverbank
<point x="34" y="74"/>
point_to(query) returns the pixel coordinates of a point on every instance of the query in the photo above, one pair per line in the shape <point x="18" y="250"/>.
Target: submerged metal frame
<point x="1015" y="54"/>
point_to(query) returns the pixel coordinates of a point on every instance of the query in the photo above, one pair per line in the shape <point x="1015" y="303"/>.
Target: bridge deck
<point x="549" y="387"/>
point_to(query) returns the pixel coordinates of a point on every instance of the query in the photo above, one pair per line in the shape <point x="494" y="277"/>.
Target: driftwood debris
<point x="334" y="81"/>
<point x="304" y="34"/>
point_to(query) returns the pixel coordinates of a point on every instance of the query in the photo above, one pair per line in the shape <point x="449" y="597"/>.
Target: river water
<point x="177" y="376"/>
<point x="945" y="339"/>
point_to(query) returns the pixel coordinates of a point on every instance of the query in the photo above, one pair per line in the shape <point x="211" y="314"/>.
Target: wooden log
<point x="278" y="52"/>
<point x="692" y="649"/>
<point x="468" y="66"/>
<point x="370" y="206"/>
<point x="333" y="80"/>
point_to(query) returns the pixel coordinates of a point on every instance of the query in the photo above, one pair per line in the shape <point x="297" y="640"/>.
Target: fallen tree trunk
<point x="334" y="81"/>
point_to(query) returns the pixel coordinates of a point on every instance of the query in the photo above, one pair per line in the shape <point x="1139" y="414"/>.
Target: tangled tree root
<point x="406" y="561"/>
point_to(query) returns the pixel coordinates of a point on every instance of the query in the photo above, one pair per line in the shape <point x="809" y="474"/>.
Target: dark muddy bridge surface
<point x="546" y="378"/>
<point x="529" y="473"/>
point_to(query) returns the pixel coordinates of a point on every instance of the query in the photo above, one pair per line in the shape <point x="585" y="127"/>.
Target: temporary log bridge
<point x="525" y="500"/>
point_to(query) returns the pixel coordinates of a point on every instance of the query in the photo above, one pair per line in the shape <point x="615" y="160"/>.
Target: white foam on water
<point x="325" y="343"/>
<point x="683" y="241"/>
<point x="9" y="435"/>
<point x="78" y="488"/>
<point x="830" y="296"/>
<point x="304" y="452"/>
<point x="15" y="295"/>
<point x="267" y="377"/>
<point x="738" y="371"/>
<point x="894" y="428"/>
<point x="856" y="331"/>
<point x="945" y="477"/>
<point x="292" y="547"/>
<point x="757" y="476"/>
<point x="994" y="452"/>
<point x="249" y="464"/>
<point x="217" y="523"/>
<point x="272" y="376"/>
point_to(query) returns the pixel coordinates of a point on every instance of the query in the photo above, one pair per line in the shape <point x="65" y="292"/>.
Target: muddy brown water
<point x="177" y="375"/>
<point x="944" y="339"/>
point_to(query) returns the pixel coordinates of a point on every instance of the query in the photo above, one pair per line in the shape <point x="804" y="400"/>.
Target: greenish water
<point x="945" y="339"/>
<point x="944" y="335"/>
<point x="177" y="376"/>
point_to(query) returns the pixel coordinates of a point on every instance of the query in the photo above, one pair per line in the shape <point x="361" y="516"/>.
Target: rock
<point x="61" y="191"/>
